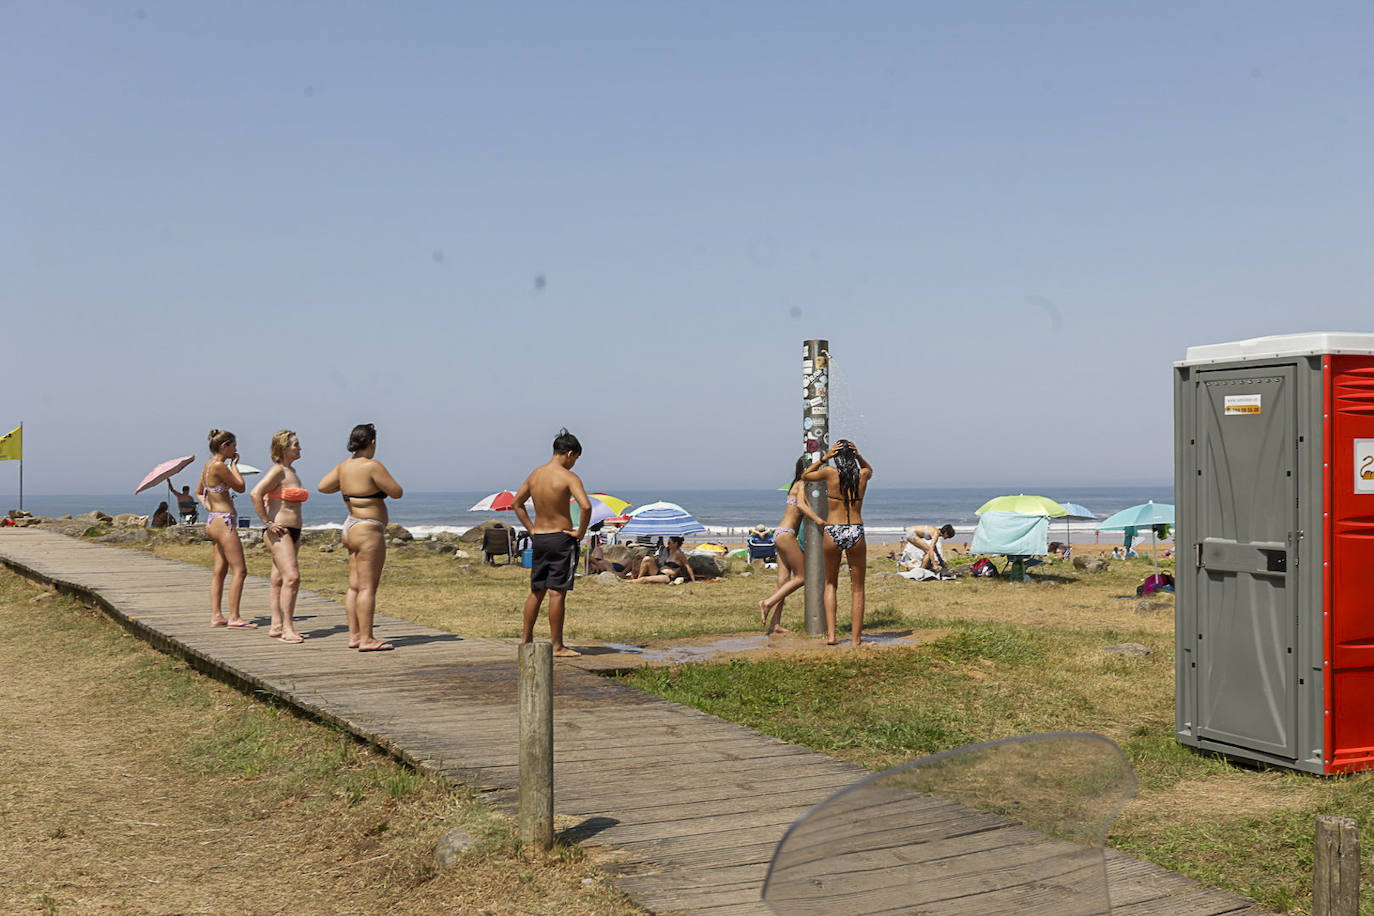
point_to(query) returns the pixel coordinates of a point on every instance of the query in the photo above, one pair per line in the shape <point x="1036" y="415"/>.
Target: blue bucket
<point x="527" y="557"/>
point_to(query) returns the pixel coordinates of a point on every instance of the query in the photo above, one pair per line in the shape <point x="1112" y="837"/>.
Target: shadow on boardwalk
<point x="689" y="806"/>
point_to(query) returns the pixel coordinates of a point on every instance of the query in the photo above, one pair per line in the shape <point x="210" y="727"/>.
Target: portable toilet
<point x="1274" y="481"/>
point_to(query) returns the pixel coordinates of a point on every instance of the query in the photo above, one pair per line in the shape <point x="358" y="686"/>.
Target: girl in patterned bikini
<point x="791" y="561"/>
<point x="220" y="476"/>
<point x="846" y="484"/>
<point x="365" y="484"/>
<point x="278" y="499"/>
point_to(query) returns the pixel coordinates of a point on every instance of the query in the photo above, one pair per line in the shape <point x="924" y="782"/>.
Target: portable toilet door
<point x="1257" y="625"/>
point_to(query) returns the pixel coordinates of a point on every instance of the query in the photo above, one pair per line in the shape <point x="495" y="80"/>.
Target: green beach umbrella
<point x="1024" y="505"/>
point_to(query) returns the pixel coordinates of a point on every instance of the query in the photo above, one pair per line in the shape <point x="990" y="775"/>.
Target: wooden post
<point x="1336" y="867"/>
<point x="815" y="443"/>
<point x="536" y="745"/>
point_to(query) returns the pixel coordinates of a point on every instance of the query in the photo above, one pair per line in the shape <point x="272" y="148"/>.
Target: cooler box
<point x="1274" y="619"/>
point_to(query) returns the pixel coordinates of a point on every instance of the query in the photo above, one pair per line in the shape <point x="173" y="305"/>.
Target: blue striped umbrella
<point x="660" y="520"/>
<point x="1077" y="511"/>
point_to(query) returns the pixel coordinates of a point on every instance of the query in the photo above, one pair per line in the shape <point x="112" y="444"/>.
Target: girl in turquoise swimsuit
<point x="846" y="483"/>
<point x="791" y="575"/>
<point x="218" y="478"/>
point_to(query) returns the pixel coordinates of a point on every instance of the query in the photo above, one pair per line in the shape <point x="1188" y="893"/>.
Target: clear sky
<point x="473" y="223"/>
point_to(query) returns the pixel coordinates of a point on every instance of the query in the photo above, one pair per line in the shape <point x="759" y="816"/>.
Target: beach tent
<point x="1011" y="534"/>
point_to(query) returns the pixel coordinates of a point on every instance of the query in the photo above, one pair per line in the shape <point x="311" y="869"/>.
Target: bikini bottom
<point x="845" y="536"/>
<point x="294" y="532"/>
<point x="354" y="520"/>
<point x="230" y="518"/>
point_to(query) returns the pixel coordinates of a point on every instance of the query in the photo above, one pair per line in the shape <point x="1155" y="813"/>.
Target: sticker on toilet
<point x="1364" y="465"/>
<point x="1242" y="405"/>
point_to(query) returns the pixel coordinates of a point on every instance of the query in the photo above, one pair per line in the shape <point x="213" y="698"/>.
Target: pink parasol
<point x="164" y="471"/>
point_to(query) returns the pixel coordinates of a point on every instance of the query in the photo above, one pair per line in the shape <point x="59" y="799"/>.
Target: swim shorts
<point x="555" y="561"/>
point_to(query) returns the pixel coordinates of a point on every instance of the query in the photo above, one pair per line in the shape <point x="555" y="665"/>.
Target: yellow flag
<point x="12" y="445"/>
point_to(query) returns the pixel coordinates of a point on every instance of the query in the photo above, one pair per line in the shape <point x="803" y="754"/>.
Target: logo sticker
<point x="1237" y="405"/>
<point x="1364" y="465"/>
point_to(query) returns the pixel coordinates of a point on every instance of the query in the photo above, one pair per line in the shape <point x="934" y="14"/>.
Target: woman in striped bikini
<point x="219" y="479"/>
<point x="846" y="483"/>
<point x="365" y="484"/>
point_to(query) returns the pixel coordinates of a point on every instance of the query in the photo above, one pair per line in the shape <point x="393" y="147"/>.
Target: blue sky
<point x="475" y="223"/>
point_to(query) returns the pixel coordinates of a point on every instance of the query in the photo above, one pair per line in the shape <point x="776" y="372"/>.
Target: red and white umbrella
<point x="503" y="501"/>
<point x="164" y="471"/>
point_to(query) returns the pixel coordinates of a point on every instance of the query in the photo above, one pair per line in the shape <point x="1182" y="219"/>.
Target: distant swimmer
<point x="553" y="487"/>
<point x="365" y="484"/>
<point x="278" y="499"/>
<point x="791" y="572"/>
<point x="218" y="478"/>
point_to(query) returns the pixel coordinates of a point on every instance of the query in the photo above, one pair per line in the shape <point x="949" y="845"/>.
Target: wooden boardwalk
<point x="689" y="806"/>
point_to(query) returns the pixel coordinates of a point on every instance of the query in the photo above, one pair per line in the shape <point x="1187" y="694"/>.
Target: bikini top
<point x="290" y="494"/>
<point x="218" y="488"/>
<point x="378" y="495"/>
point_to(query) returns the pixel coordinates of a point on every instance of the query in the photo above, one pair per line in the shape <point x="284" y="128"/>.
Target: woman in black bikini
<point x="365" y="483"/>
<point x="846" y="483"/>
<point x="791" y="561"/>
<point x="277" y="499"/>
<point x="220" y="476"/>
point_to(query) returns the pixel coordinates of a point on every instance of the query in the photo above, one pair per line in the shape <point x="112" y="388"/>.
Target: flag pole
<point x="21" y="466"/>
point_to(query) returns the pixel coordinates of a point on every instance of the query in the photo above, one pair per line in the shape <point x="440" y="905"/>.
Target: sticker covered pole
<point x="815" y="443"/>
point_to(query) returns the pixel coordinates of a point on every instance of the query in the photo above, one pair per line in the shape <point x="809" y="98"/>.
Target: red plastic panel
<point x="1349" y="577"/>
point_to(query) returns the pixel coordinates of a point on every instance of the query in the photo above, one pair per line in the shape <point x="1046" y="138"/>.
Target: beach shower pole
<point x="815" y="442"/>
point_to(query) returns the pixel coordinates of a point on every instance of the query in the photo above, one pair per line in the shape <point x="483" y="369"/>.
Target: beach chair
<point x="761" y="547"/>
<point x="498" y="541"/>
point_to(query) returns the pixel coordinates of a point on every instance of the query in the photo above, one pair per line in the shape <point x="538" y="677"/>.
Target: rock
<point x="94" y="517"/>
<point x="398" y="533"/>
<point x="1153" y="606"/>
<point x="20" y="513"/>
<point x="326" y="548"/>
<point x="47" y="594"/>
<point x="461" y="555"/>
<point x="65" y="518"/>
<point x="250" y="536"/>
<point x="474" y="534"/>
<point x="124" y="536"/>
<point x="607" y="578"/>
<point x="129" y="520"/>
<point x="451" y="847"/>
<point x="1090" y="564"/>
<point x="185" y="534"/>
<point x="1133" y="649"/>
<point x="23" y="522"/>
<point x="708" y="567"/>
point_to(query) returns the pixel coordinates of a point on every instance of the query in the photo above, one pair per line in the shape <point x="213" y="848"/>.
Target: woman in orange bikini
<point x="277" y="499"/>
<point x="846" y="483"/>
<point x="791" y="561"/>
<point x="220" y="476"/>
<point x="365" y="484"/>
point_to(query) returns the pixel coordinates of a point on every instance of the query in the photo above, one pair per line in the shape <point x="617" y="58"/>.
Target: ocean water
<point x="725" y="513"/>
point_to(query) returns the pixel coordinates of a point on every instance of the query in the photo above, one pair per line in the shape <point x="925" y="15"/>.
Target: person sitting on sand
<point x="278" y="499"/>
<point x="553" y="487"/>
<point x="219" y="476"/>
<point x="162" y="518"/>
<point x="670" y="566"/>
<point x="365" y="484"/>
<point x="791" y="562"/>
<point x="846" y="483"/>
<point x="925" y="539"/>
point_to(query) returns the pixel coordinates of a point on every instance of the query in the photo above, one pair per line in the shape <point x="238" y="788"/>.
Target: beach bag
<point x="983" y="568"/>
